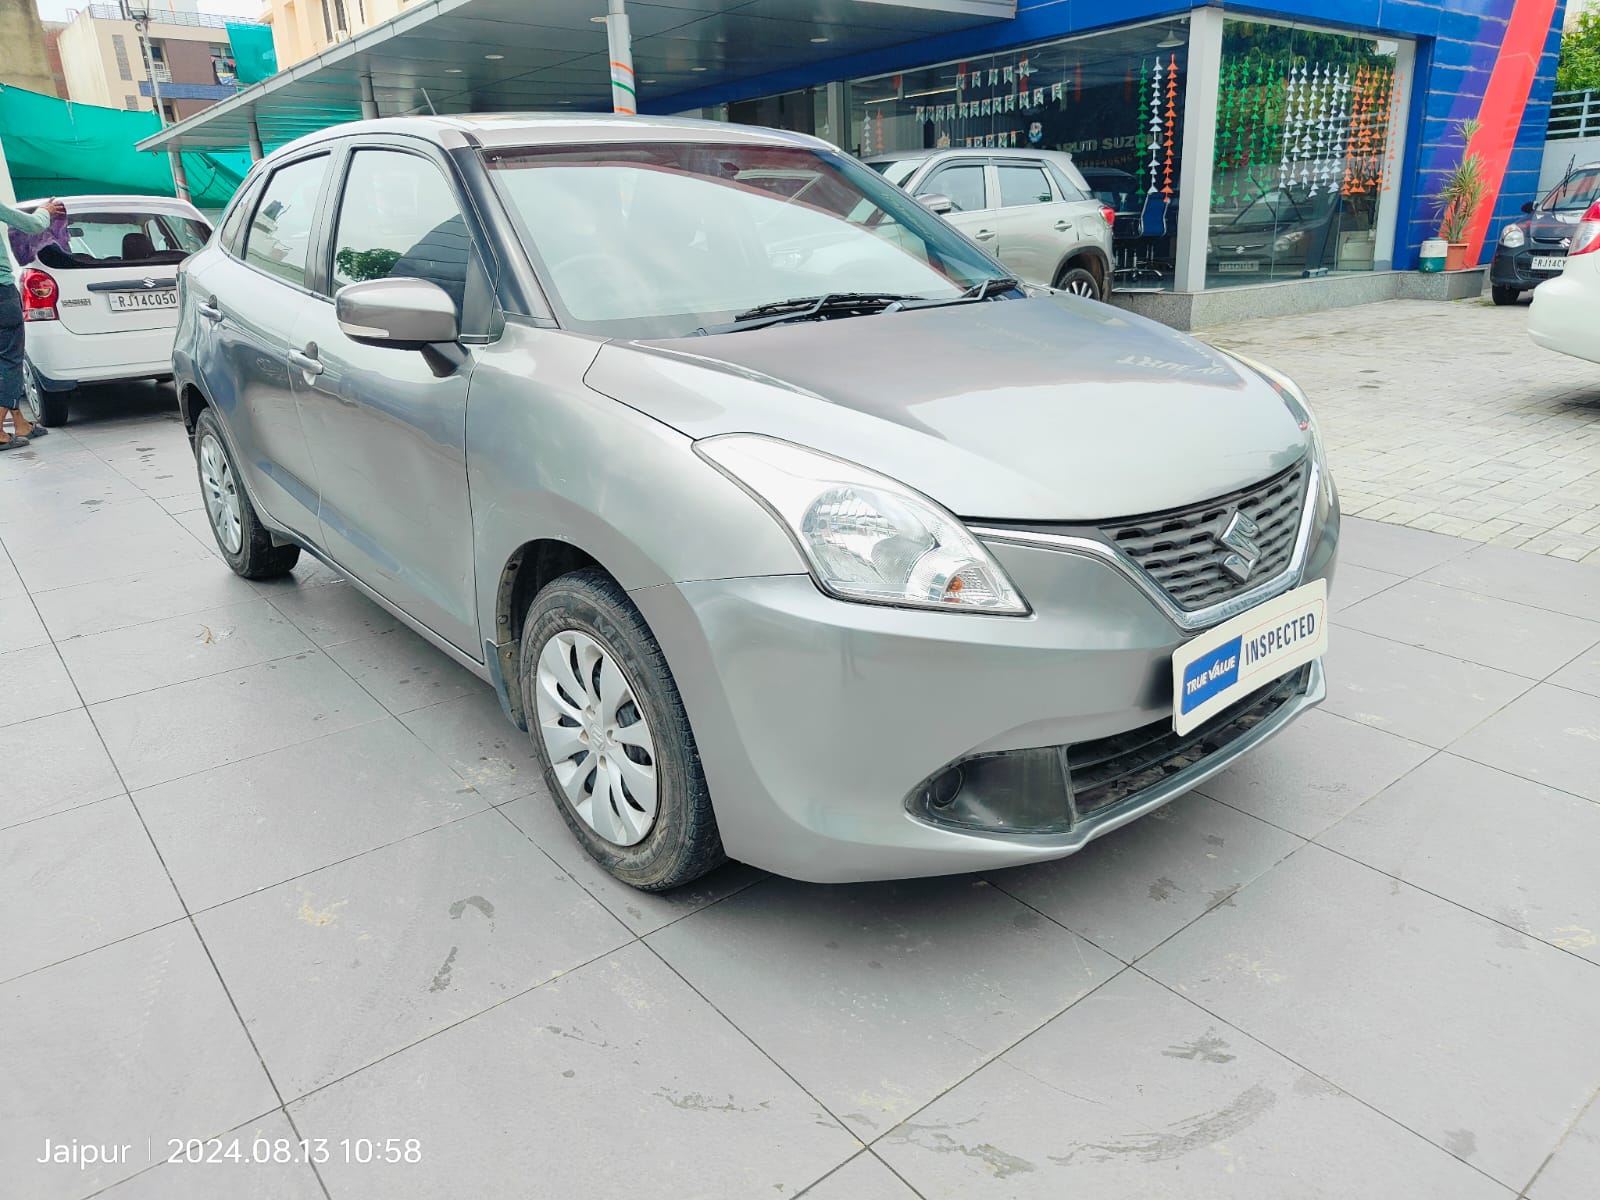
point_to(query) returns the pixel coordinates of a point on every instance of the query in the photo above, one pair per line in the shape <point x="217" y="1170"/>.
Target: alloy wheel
<point x="1082" y="286"/>
<point x="597" y="736"/>
<point x="221" y="494"/>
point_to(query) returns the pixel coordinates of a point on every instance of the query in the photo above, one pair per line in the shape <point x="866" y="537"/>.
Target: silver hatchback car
<point x="1031" y="209"/>
<point x="789" y="526"/>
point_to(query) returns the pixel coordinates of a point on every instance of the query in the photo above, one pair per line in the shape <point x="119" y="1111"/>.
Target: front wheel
<point x="245" y="545"/>
<point x="610" y="731"/>
<point x="39" y="406"/>
<point x="1079" y="281"/>
<point x="1504" y="295"/>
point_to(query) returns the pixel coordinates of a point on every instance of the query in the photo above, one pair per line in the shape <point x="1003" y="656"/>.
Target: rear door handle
<point x="1063" y="226"/>
<point x="984" y="235"/>
<point x="209" y="310"/>
<point x="307" y="361"/>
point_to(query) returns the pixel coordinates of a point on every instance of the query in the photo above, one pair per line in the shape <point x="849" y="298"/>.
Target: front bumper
<point x="1514" y="268"/>
<point x="816" y="719"/>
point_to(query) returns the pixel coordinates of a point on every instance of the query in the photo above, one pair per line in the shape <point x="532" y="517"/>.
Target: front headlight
<point x="1512" y="236"/>
<point x="1294" y="399"/>
<point x="866" y="537"/>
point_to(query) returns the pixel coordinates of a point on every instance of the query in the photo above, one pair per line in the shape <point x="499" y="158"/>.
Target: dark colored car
<point x="1284" y="230"/>
<point x="1535" y="248"/>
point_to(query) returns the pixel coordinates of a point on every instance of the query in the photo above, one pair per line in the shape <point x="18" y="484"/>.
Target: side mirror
<point x="404" y="313"/>
<point x="937" y="202"/>
<point x="1527" y="206"/>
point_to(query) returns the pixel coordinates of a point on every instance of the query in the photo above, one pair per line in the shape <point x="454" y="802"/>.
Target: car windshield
<point x="126" y="239"/>
<point x="1576" y="194"/>
<point x="896" y="170"/>
<point x="659" y="239"/>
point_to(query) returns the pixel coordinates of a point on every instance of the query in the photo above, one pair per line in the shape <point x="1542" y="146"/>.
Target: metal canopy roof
<point x="522" y="55"/>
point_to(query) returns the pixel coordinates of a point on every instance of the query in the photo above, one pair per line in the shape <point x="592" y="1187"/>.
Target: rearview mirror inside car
<point x="404" y="313"/>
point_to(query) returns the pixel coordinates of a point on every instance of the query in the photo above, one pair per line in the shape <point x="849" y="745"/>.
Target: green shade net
<point x="253" y="56"/>
<point x="58" y="148"/>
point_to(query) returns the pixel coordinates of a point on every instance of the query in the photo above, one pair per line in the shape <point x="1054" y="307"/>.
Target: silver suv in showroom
<point x="792" y="530"/>
<point x="1031" y="209"/>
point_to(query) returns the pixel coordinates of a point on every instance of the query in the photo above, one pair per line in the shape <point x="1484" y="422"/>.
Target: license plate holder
<point x="1549" y="262"/>
<point x="1238" y="266"/>
<point x="1227" y="663"/>
<point x="143" y="301"/>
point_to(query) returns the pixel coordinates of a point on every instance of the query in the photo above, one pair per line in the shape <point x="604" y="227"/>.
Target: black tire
<point x="50" y="409"/>
<point x="683" y="843"/>
<point x="255" y="557"/>
<point x="1504" y="295"/>
<point x="1079" y="281"/>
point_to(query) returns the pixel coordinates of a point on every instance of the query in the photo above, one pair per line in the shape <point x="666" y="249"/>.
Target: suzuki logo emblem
<point x="1239" y="536"/>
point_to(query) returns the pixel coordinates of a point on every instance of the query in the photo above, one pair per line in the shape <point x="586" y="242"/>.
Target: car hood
<point x="1045" y="409"/>
<point x="1553" y="228"/>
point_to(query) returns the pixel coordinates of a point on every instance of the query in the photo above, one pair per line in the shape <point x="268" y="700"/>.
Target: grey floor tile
<point x="10" y="582"/>
<point x="22" y="628"/>
<point x="1536" y="579"/>
<point x="1404" y="1000"/>
<point x="248" y="825"/>
<point x="402" y="671"/>
<point x="128" y="1046"/>
<point x="878" y="997"/>
<point x="330" y="613"/>
<point x="1395" y="548"/>
<point x="1492" y="842"/>
<point x="76" y="881"/>
<point x="184" y="502"/>
<point x="61" y="481"/>
<point x="188" y="727"/>
<point x="34" y="683"/>
<point x="89" y="608"/>
<point x="642" y="912"/>
<point x="474" y="735"/>
<point x="864" y="1177"/>
<point x="618" y="1050"/>
<point x="1575" y="1166"/>
<point x="120" y="550"/>
<point x="52" y="764"/>
<point x="1353" y="584"/>
<point x="198" y="525"/>
<point x="269" y="1166"/>
<point x="1582" y="673"/>
<point x="1134" y="1092"/>
<point x="84" y="524"/>
<point x="1481" y="629"/>
<point x="1416" y="694"/>
<point x="336" y="969"/>
<point x="123" y="662"/>
<point x="1551" y="735"/>
<point x="1136" y="887"/>
<point x="1320" y="768"/>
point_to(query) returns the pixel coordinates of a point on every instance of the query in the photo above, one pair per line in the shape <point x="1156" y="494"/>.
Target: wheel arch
<point x="1090" y="258"/>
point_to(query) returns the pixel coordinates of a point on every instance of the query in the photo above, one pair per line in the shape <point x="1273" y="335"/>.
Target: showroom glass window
<point x="1113" y="100"/>
<point x="1303" y="157"/>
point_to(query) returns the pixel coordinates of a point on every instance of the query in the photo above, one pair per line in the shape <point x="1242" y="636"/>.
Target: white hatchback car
<point x="106" y="308"/>
<point x="1566" y="310"/>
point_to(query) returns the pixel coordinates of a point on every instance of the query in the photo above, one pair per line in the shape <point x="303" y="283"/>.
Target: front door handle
<point x="209" y="310"/>
<point x="984" y="235"/>
<point x="306" y="361"/>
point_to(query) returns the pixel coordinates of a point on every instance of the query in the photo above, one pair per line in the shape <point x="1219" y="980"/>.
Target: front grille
<point x="1109" y="770"/>
<point x="1181" y="549"/>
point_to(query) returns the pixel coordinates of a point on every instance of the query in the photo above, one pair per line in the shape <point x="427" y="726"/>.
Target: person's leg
<point x="11" y="384"/>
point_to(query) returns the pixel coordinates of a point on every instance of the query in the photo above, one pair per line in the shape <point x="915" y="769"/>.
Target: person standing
<point x="11" y="325"/>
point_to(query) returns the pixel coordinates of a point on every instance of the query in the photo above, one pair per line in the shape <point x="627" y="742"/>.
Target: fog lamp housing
<point x="1014" y="792"/>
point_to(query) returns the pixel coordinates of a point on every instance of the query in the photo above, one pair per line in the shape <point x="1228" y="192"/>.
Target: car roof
<point x="110" y="202"/>
<point x="502" y="131"/>
<point x="964" y="151"/>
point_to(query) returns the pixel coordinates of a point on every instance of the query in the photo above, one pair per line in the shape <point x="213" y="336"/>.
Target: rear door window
<point x="1023" y="183"/>
<point x="126" y="239"/>
<point x="280" y="233"/>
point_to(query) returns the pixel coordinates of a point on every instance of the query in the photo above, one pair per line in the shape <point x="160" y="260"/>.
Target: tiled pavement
<point x="270" y="868"/>
<point x="1446" y="417"/>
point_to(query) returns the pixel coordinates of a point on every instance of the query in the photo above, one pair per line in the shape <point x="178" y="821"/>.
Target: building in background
<point x="301" y="28"/>
<point x="52" y="51"/>
<point x="104" y="59"/>
<point x="25" y="63"/>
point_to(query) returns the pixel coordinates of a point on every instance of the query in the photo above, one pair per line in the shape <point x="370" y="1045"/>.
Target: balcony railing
<point x="1574" y="115"/>
<point x="157" y="15"/>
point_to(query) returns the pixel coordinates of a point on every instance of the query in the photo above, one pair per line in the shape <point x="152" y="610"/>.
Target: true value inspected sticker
<point x="1229" y="662"/>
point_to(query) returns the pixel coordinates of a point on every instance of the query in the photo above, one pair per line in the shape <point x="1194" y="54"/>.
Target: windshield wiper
<point x="998" y="283"/>
<point x="802" y="308"/>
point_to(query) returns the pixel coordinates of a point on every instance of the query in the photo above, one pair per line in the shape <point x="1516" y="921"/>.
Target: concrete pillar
<point x="1200" y="93"/>
<point x="369" y="100"/>
<point x="180" y="180"/>
<point x="619" y="39"/>
<point x="255" y="138"/>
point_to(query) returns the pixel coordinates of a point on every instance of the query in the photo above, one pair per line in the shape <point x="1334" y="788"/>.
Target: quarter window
<point x="1023" y="183"/>
<point x="399" y="217"/>
<point x="963" y="183"/>
<point x="280" y="234"/>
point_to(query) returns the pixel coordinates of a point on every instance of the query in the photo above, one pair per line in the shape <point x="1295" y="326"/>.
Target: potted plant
<point x="1459" y="198"/>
